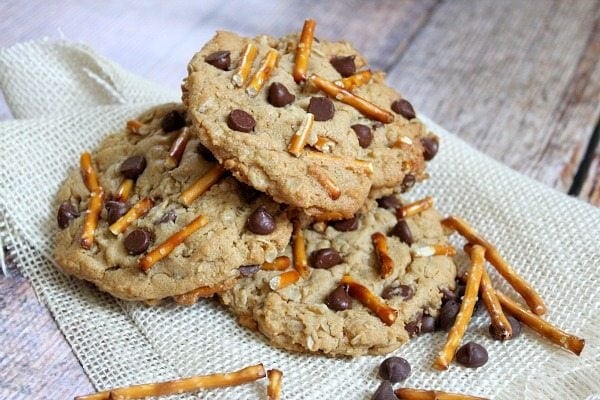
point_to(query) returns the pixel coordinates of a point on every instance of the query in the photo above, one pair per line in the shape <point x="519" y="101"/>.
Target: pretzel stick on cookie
<point x="444" y="358"/>
<point x="250" y="53"/>
<point x="177" y="149"/>
<point x="281" y="263"/>
<point x="191" y="298"/>
<point x="124" y="190"/>
<point x="88" y="172"/>
<point x="433" y="250"/>
<point x="165" y="248"/>
<point x="263" y="73"/>
<point x="201" y="185"/>
<point x="91" y="219"/>
<point x="365" y="107"/>
<point x="328" y="216"/>
<point x="325" y="181"/>
<point x="134" y="126"/>
<point x="185" y="385"/>
<point x="356" y="80"/>
<point x="303" y="51"/>
<point x="284" y="280"/>
<point x="299" y="250"/>
<point x="412" y="209"/>
<point x="374" y="303"/>
<point x="274" y="388"/>
<point x="298" y="141"/>
<point x="352" y="164"/>
<point x="531" y="297"/>
<point x="138" y="210"/>
<point x="323" y="144"/>
<point x="386" y="264"/>
<point x="419" y="394"/>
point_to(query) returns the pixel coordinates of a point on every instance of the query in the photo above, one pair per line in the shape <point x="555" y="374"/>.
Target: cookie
<point x="177" y="241"/>
<point x="292" y="141"/>
<point x="320" y="314"/>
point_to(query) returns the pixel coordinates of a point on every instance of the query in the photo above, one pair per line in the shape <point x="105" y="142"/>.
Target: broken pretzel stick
<point x="185" y="385"/>
<point x="531" y="297"/>
<point x="124" y="190"/>
<point x="274" y="388"/>
<point x="328" y="216"/>
<point x="434" y="250"/>
<point x="284" y="280"/>
<point x="137" y="211"/>
<point x="177" y="149"/>
<point x="91" y="219"/>
<point x="134" y="126"/>
<point x="365" y="107"/>
<point x="303" y="51"/>
<point x="90" y="177"/>
<point x="299" y="138"/>
<point x="191" y="298"/>
<point x="166" y="247"/>
<point x="386" y="264"/>
<point x="299" y="250"/>
<point x="358" y="79"/>
<point x="323" y="144"/>
<point x="555" y="335"/>
<point x="250" y="53"/>
<point x="325" y="181"/>
<point x="374" y="303"/>
<point x="281" y="263"/>
<point x="202" y="184"/>
<point x="352" y="164"/>
<point x="463" y="317"/>
<point x="412" y="209"/>
<point x="263" y="73"/>
<point x="419" y="394"/>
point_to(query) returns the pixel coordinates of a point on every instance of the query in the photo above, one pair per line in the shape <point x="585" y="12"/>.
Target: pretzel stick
<point x="134" y="126"/>
<point x="328" y="216"/>
<point x="190" y="298"/>
<point x="358" y="79"/>
<point x="90" y="177"/>
<point x="166" y="247"/>
<point x="250" y="53"/>
<point x="137" y="211"/>
<point x="365" y="107"/>
<point x="185" y="385"/>
<point x="299" y="250"/>
<point x="284" y="280"/>
<point x="434" y="250"/>
<point x="419" y="394"/>
<point x="274" y="388"/>
<point x="281" y="263"/>
<point x="555" y="335"/>
<point x="374" y="303"/>
<point x="531" y="297"/>
<point x="303" y="50"/>
<point x="263" y="73"/>
<point x="296" y="146"/>
<point x="124" y="190"/>
<point x="404" y="140"/>
<point x="412" y="209"/>
<point x="356" y="165"/>
<point x="466" y="310"/>
<point x="202" y="184"/>
<point x="386" y="264"/>
<point x="323" y="144"/>
<point x="91" y="219"/>
<point x="177" y="149"/>
<point x="324" y="180"/>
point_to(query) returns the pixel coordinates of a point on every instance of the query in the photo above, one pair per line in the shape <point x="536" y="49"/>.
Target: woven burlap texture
<point x="65" y="98"/>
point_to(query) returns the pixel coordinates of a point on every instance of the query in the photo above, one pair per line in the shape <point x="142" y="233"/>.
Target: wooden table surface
<point x="519" y="80"/>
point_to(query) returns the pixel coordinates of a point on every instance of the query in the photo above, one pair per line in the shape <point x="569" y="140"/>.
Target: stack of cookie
<point x="275" y="185"/>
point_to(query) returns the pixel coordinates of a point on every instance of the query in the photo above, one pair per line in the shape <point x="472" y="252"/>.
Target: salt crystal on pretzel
<point x="91" y="219"/>
<point x="412" y="209"/>
<point x="467" y="306"/>
<point x="124" y="190"/>
<point x="419" y="394"/>
<point x="374" y="303"/>
<point x="263" y="73"/>
<point x="356" y="165"/>
<point x="201" y="185"/>
<point x="166" y="247"/>
<point x="177" y="148"/>
<point x="298" y="141"/>
<point x="134" y="126"/>
<point x="323" y="144"/>
<point x="250" y="53"/>
<point x="185" y="385"/>
<point x="358" y="79"/>
<point x="299" y="250"/>
<point x="386" y="264"/>
<point x="531" y="297"/>
<point x="555" y="335"/>
<point x="324" y="180"/>
<point x="284" y="280"/>
<point x="365" y="107"/>
<point x="433" y="250"/>
<point x="303" y="51"/>
<point x="90" y="177"/>
<point x="281" y="263"/>
<point x="138" y="210"/>
<point x="274" y="388"/>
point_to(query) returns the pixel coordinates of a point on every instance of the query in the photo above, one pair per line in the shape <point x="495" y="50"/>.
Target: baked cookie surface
<point x="161" y="165"/>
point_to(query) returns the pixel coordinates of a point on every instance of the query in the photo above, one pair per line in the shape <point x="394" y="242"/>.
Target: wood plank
<point x="590" y="190"/>
<point x="518" y="80"/>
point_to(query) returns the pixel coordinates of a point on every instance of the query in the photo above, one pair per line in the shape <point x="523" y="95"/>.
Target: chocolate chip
<point x="67" y="212"/>
<point x="344" y="65"/>
<point x="205" y="153"/>
<point x="325" y="258"/>
<point x="220" y="59"/>
<point x="402" y="231"/>
<point x="241" y="121"/>
<point x="430" y="147"/>
<point x="137" y="241"/>
<point x="447" y="294"/>
<point x="364" y="135"/>
<point x="321" y="107"/>
<point x="114" y="211"/>
<point x="408" y="182"/>
<point x="339" y="299"/>
<point x="390" y="202"/>
<point x="384" y="392"/>
<point x="516" y="329"/>
<point x="248" y="270"/>
<point x="394" y="369"/>
<point x="413" y="328"/>
<point x="279" y="95"/>
<point x="403" y="108"/>
<point x="472" y="355"/>
<point x="248" y="193"/>
<point x="172" y="121"/>
<point x="133" y="167"/>
<point x="460" y="290"/>
<point x="448" y="314"/>
<point x="261" y="222"/>
<point x="346" y="225"/>
<point x="170" y="216"/>
<point x="428" y="324"/>
<point x="403" y="291"/>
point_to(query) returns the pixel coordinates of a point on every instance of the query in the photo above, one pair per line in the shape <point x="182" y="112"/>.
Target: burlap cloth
<point x="65" y="98"/>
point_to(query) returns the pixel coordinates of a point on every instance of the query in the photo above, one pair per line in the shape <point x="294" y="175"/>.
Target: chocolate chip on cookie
<point x="344" y="65"/>
<point x="261" y="222"/>
<point x="322" y="108"/>
<point x="220" y="59"/>
<point x="404" y="108"/>
<point x="205" y="153"/>
<point x="390" y="202"/>
<point x="403" y="291"/>
<point x="279" y="95"/>
<point x="472" y="355"/>
<point x="241" y="121"/>
<point x="325" y="258"/>
<point x="402" y="231"/>
<point x="394" y="369"/>
<point x="430" y="147"/>
<point x="137" y="241"/>
<point x="133" y="167"/>
<point x="448" y="314"/>
<point x="339" y="299"/>
<point x="248" y="270"/>
<point x="428" y="323"/>
<point x="172" y="121"/>
<point x="408" y="182"/>
<point x="114" y="211"/>
<point x="346" y="225"/>
<point x="363" y="134"/>
<point x="413" y="328"/>
<point x="67" y="212"/>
